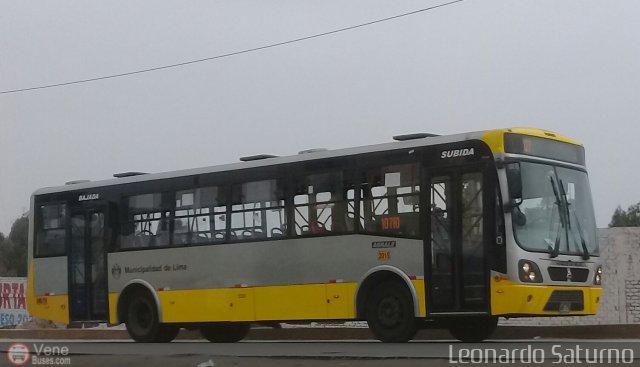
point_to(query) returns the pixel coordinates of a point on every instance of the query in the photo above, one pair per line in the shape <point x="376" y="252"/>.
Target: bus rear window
<point x="50" y="240"/>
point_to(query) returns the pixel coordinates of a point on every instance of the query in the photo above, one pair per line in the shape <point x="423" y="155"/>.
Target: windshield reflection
<point x="556" y="213"/>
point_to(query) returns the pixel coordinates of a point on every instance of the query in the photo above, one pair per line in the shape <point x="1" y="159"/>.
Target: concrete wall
<point x="620" y="249"/>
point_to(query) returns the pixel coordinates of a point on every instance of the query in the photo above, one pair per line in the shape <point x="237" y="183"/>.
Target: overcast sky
<point x="571" y="66"/>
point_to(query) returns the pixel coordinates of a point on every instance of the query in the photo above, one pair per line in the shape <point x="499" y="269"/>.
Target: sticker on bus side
<point x="384" y="255"/>
<point x="383" y="244"/>
<point x="455" y="153"/>
<point x="87" y="197"/>
<point x="391" y="222"/>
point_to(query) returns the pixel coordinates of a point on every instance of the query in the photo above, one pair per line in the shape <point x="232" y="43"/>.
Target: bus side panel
<point x="202" y="305"/>
<point x="291" y="279"/>
<point x="294" y="302"/>
<point x="341" y="301"/>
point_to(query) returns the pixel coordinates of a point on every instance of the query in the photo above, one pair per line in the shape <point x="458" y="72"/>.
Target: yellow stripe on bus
<point x="113" y="308"/>
<point x="287" y="302"/>
<point x="292" y="302"/>
<point x="51" y="307"/>
<point x="419" y="287"/>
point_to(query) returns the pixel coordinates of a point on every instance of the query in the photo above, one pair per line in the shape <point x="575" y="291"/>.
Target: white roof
<point x="266" y="162"/>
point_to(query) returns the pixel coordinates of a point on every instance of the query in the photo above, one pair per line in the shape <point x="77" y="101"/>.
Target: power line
<point x="229" y="54"/>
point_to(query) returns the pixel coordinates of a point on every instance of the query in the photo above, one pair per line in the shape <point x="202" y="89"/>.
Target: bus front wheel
<point x="389" y="313"/>
<point x="473" y="329"/>
<point x="225" y="332"/>
<point x="143" y="323"/>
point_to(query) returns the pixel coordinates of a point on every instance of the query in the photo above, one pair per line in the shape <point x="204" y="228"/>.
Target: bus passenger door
<point x="455" y="263"/>
<point x="87" y="265"/>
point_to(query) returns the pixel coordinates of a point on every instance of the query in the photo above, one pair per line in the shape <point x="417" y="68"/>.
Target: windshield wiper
<point x="585" y="250"/>
<point x="561" y="214"/>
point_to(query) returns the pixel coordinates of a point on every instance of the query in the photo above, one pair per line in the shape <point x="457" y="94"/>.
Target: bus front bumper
<point x="514" y="299"/>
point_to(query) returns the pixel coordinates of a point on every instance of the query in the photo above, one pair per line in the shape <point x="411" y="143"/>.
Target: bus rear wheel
<point x="225" y="332"/>
<point x="143" y="323"/>
<point x="473" y="329"/>
<point x="389" y="313"/>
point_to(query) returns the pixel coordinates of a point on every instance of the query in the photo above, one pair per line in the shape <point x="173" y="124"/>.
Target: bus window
<point x="351" y="211"/>
<point x="320" y="205"/>
<point x="391" y="200"/>
<point x="257" y="210"/>
<point x="51" y="236"/>
<point x="200" y="216"/>
<point x="473" y="237"/>
<point x="147" y="223"/>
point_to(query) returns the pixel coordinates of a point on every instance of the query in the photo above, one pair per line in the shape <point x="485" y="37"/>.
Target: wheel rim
<point x="142" y="316"/>
<point x="390" y="312"/>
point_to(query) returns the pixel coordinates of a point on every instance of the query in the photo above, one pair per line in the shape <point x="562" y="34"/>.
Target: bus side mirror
<point x="514" y="182"/>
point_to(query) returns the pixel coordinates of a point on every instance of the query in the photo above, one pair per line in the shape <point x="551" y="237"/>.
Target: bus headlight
<point x="529" y="272"/>
<point x="597" y="280"/>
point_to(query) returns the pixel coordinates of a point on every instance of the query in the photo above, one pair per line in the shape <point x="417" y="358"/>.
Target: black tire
<point x="389" y="313"/>
<point x="225" y="332"/>
<point x="473" y="329"/>
<point x="143" y="323"/>
<point x="168" y="332"/>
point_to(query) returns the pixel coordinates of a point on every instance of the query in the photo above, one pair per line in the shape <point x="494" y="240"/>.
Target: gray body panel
<point x="254" y="264"/>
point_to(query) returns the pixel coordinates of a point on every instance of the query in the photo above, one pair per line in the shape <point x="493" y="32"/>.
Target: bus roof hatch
<point x="257" y="157"/>
<point x="414" y="136"/>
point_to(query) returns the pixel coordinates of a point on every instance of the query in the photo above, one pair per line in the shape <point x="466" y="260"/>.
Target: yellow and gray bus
<point x="424" y="232"/>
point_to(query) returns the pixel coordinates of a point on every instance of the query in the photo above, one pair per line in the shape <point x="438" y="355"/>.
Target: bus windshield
<point x="556" y="213"/>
